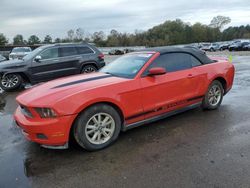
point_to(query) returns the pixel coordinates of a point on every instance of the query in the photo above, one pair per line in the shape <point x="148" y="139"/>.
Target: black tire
<point x="211" y="100"/>
<point x="88" y="69"/>
<point x="11" y="82"/>
<point x="83" y="120"/>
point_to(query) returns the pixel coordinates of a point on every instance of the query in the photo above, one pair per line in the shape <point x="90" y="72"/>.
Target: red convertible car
<point x="135" y="89"/>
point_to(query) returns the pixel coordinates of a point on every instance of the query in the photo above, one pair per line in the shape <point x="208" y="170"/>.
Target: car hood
<point x="19" y="53"/>
<point x="51" y="92"/>
<point x="11" y="63"/>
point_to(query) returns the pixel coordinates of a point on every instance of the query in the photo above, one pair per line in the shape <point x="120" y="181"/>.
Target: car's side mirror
<point x="38" y="58"/>
<point x="156" y="71"/>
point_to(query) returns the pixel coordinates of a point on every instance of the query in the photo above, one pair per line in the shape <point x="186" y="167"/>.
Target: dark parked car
<point x="224" y="46"/>
<point x="116" y="52"/>
<point x="246" y="47"/>
<point x="128" y="51"/>
<point x="238" y="46"/>
<point x="49" y="62"/>
<point x="2" y="58"/>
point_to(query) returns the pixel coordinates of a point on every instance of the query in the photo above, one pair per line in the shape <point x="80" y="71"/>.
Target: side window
<point x="160" y="62"/>
<point x="195" y="62"/>
<point x="68" y="51"/>
<point x="84" y="50"/>
<point x="173" y="62"/>
<point x="49" y="53"/>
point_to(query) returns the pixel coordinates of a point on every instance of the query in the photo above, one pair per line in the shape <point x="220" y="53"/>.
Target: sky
<point x="56" y="17"/>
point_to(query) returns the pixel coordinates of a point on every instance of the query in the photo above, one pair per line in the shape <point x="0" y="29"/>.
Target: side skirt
<point x="159" y="117"/>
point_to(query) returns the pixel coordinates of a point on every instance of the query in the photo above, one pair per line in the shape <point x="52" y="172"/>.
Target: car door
<point x="200" y="77"/>
<point x="44" y="68"/>
<point x="169" y="91"/>
<point x="69" y="61"/>
<point x="87" y="55"/>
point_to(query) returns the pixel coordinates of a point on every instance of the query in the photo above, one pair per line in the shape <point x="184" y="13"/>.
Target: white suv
<point x="19" y="52"/>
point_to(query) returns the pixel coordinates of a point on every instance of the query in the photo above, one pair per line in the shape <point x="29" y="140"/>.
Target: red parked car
<point x="135" y="89"/>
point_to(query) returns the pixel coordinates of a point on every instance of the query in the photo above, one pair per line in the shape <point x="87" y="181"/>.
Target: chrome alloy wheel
<point x="10" y="81"/>
<point x="214" y="95"/>
<point x="100" y="128"/>
<point x="88" y="69"/>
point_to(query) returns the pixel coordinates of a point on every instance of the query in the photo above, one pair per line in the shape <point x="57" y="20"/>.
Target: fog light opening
<point x="41" y="136"/>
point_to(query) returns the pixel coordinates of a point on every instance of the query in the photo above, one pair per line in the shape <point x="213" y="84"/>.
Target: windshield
<point x="33" y="53"/>
<point x="21" y="50"/>
<point x="127" y="66"/>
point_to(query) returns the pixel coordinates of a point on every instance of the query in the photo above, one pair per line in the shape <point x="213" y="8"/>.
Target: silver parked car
<point x="19" y="52"/>
<point x="210" y="47"/>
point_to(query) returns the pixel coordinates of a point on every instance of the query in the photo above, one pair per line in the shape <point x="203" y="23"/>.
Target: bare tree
<point x="71" y="34"/>
<point x="79" y="34"/>
<point x="220" y="21"/>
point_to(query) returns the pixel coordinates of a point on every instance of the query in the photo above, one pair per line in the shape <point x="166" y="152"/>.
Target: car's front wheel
<point x="214" y="96"/>
<point x="11" y="82"/>
<point x="97" y="127"/>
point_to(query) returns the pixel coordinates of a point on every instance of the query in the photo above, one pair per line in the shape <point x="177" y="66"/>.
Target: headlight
<point x="46" y="112"/>
<point x="26" y="111"/>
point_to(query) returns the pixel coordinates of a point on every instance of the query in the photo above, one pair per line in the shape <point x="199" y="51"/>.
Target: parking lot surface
<point x="193" y="149"/>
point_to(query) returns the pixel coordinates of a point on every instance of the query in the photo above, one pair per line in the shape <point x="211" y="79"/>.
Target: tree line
<point x="167" y="33"/>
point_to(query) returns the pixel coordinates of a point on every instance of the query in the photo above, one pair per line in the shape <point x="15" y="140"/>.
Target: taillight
<point x="101" y="56"/>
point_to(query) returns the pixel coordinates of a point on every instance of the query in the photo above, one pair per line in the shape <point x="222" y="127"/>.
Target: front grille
<point x="19" y="56"/>
<point x="26" y="111"/>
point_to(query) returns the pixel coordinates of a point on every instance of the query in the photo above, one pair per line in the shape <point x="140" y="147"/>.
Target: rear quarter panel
<point x="220" y="69"/>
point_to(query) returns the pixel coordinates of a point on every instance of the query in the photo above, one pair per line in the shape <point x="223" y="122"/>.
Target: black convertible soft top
<point x="190" y="50"/>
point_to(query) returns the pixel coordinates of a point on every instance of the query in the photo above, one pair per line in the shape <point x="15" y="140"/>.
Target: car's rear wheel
<point x="11" y="82"/>
<point x="88" y="69"/>
<point x="214" y="96"/>
<point x="97" y="127"/>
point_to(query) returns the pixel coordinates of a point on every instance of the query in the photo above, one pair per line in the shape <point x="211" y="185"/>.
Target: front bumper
<point x="49" y="132"/>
